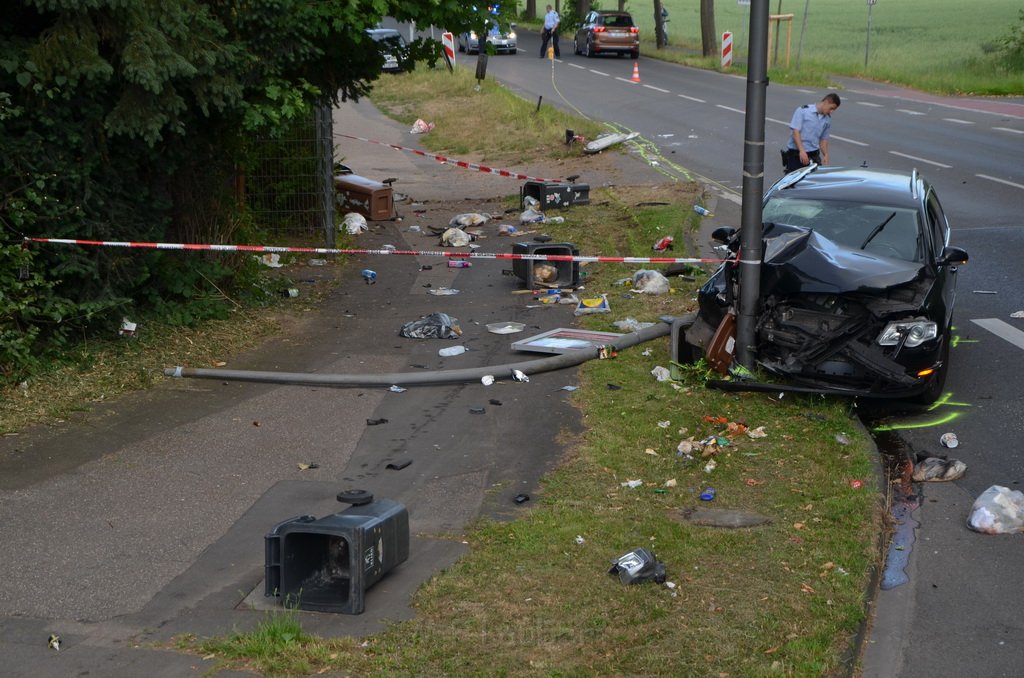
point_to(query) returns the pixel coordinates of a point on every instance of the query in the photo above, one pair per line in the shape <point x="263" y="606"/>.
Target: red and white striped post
<point x="726" y="49"/>
<point x="448" y="43"/>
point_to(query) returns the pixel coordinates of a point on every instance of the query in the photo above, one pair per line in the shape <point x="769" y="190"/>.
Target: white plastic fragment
<point x="998" y="510"/>
<point x="520" y="376"/>
<point x="632" y="484"/>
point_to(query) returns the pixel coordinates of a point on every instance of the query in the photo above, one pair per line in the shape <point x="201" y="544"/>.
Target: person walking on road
<point x="550" y="33"/>
<point x="809" y="129"/>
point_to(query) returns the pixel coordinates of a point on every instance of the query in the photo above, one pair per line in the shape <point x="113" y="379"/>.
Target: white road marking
<point x="1000" y="181"/>
<point x="849" y="141"/>
<point x="699" y="101"/>
<point x="1007" y="129"/>
<point x="780" y="122"/>
<point x="631" y="82"/>
<point x="869" y="103"/>
<point x="914" y="157"/>
<point x="909" y="112"/>
<point x="599" y="73"/>
<point x="1002" y="330"/>
<point x="657" y="89"/>
<point x="730" y="108"/>
<point x="958" y="121"/>
<point x="582" y="68"/>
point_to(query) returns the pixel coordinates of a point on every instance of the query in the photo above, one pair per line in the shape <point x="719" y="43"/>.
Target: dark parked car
<point x="858" y="283"/>
<point x="607" y="33"/>
<point x="502" y="41"/>
<point x="392" y="46"/>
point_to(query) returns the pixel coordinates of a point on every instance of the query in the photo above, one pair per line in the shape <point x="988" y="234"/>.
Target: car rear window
<point x="617" y="21"/>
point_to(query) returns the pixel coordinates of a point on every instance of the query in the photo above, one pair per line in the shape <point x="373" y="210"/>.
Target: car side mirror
<point x="723" y="234"/>
<point x="513" y="26"/>
<point x="952" y="256"/>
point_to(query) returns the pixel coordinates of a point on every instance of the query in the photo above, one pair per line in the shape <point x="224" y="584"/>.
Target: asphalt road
<point x="958" y="612"/>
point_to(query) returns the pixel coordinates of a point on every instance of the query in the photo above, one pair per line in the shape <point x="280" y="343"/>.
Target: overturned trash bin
<point x="326" y="565"/>
<point x="562" y="274"/>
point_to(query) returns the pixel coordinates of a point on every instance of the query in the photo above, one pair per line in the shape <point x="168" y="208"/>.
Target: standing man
<point x="809" y="128"/>
<point x="550" y="32"/>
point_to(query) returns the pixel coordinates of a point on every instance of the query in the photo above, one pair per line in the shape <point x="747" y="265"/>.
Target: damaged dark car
<point x="858" y="284"/>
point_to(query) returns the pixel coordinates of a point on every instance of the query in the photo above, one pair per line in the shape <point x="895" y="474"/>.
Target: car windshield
<point x="850" y="224"/>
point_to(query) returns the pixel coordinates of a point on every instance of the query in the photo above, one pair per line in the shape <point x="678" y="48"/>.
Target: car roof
<point x="611" y="12"/>
<point x="885" y="187"/>
<point x="382" y="33"/>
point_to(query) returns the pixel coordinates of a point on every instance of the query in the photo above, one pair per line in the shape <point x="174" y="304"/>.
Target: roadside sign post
<point x="448" y="43"/>
<point x="867" y="43"/>
<point x="726" y="49"/>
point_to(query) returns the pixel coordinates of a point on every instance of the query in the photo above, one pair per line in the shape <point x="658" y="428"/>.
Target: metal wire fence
<point x="289" y="186"/>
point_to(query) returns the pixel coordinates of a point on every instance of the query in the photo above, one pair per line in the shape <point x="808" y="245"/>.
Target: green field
<point x="942" y="45"/>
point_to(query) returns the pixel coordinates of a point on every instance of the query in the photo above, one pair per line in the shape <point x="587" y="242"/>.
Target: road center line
<point x="730" y="108"/>
<point x="1007" y="129"/>
<point x="699" y="101"/>
<point x="849" y="141"/>
<point x="869" y="103"/>
<point x="1002" y="330"/>
<point x="958" y="121"/>
<point x="1000" y="181"/>
<point x="657" y="89"/>
<point x="582" y="68"/>
<point x="631" y="82"/>
<point x="914" y="157"/>
<point x="909" y="112"/>
<point x="780" y="122"/>
<point x="598" y="73"/>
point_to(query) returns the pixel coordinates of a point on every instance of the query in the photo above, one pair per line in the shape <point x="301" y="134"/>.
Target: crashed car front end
<point x="837" y="320"/>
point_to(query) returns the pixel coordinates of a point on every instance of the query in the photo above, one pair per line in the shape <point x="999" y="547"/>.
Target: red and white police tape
<point x="452" y="161"/>
<point x="390" y="252"/>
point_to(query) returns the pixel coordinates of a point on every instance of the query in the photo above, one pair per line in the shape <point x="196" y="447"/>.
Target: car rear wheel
<point x="635" y="54"/>
<point x="589" y="49"/>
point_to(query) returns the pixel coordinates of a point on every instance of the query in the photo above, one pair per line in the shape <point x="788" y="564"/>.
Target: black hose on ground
<point x="499" y="372"/>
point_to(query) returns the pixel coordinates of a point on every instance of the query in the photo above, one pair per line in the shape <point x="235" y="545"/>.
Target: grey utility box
<point x="326" y="565"/>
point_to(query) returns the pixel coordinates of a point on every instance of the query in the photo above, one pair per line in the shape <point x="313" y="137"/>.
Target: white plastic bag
<point x="421" y="127"/>
<point x="650" y="282"/>
<point x="455" y="237"/>
<point x="354" y="223"/>
<point x="998" y="510"/>
<point x="469" y="219"/>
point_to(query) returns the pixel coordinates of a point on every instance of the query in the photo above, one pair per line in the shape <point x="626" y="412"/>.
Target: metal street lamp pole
<point x="753" y="184"/>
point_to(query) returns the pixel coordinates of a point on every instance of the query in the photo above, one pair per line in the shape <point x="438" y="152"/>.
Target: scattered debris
<point x="520" y="376"/>
<point x="477" y="410"/>
<point x="593" y="305"/>
<point x="521" y="498"/>
<point x="495" y="402"/>
<point x="580" y="540"/>
<point x="354" y="223"/>
<point x="127" y="328"/>
<point x="708" y="494"/>
<point x="938" y="469"/>
<point x="450" y="351"/>
<point x="630" y="324"/>
<point x="638" y="566"/>
<point x="487" y="379"/>
<point x="468" y="219"/>
<point x="369" y="276"/>
<point x="398" y="465"/>
<point x="607" y="140"/>
<point x="661" y="373"/>
<point x="395" y="388"/>
<point x="663" y="244"/>
<point x="856" y="484"/>
<point x="455" y="237"/>
<point x="650" y="282"/>
<point x="443" y="291"/>
<point x="307" y="465"/>
<point x="671" y="482"/>
<point x="53" y="642"/>
<point x="632" y="484"/>
<point x="842" y="439"/>
<point x="703" y="211"/>
<point x="273" y="260"/>
<point x="1017" y="314"/>
<point x="999" y="510"/>
<point x="949" y="440"/>
<point x="421" y="126"/>
<point x="376" y="422"/>
<point x="438" y="325"/>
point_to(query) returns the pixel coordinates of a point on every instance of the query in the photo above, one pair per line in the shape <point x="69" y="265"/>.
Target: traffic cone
<point x="636" y="72"/>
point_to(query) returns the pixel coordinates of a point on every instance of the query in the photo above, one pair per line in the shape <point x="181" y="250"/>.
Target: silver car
<point x="502" y="41"/>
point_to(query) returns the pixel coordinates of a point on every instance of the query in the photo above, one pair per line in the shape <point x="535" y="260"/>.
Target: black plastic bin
<point x="568" y="271"/>
<point x="326" y="565"/>
<point x="554" y="194"/>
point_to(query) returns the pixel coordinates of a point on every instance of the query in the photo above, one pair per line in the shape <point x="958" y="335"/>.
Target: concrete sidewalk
<point x="145" y="518"/>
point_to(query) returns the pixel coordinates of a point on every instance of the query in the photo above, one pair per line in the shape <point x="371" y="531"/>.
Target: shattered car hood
<point x="800" y="260"/>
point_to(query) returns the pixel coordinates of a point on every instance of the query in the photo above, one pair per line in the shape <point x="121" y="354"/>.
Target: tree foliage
<point x="126" y="120"/>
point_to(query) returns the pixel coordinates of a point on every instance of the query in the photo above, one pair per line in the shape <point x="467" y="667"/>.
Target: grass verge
<point x="534" y="598"/>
